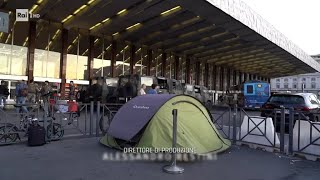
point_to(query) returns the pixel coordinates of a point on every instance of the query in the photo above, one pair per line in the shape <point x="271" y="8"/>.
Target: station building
<point x="214" y="43"/>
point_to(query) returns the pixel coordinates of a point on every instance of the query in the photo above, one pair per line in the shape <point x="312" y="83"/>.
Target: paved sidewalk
<point x="81" y="159"/>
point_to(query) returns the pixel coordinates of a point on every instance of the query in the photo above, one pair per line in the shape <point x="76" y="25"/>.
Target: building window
<point x="303" y="79"/>
<point x="286" y="80"/>
<point x="313" y="85"/>
<point x="313" y="79"/>
<point x="294" y="79"/>
<point x="278" y="86"/>
<point x="286" y="86"/>
<point x="278" y="80"/>
<point x="295" y="86"/>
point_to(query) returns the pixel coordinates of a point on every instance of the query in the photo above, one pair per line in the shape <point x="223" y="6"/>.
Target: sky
<point x="298" y="20"/>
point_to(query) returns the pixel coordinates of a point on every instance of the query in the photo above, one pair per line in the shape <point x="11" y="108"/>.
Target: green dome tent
<point x="147" y="121"/>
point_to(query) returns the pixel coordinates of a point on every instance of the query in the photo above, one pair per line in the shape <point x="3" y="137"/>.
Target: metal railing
<point x="285" y="129"/>
<point x="90" y="119"/>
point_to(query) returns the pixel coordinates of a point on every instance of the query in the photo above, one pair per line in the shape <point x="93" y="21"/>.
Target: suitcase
<point x="36" y="135"/>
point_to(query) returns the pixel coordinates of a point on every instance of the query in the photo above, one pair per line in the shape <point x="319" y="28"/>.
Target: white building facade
<point x="299" y="83"/>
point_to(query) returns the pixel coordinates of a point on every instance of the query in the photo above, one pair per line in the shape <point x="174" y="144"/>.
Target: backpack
<point x="24" y="92"/>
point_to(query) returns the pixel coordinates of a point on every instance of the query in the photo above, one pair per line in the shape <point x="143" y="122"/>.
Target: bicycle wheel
<point x="57" y="132"/>
<point x="105" y="121"/>
<point x="8" y="134"/>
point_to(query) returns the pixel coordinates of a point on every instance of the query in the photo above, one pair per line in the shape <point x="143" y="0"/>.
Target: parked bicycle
<point x="10" y="133"/>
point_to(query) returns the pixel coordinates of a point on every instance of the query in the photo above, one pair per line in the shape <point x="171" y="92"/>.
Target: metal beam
<point x="31" y="49"/>
<point x="132" y="58"/>
<point x="188" y="80"/>
<point x="163" y="64"/>
<point x="63" y="60"/>
<point x="90" y="57"/>
<point x="113" y="58"/>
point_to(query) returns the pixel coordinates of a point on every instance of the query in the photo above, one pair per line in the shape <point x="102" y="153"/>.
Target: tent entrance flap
<point x="135" y="114"/>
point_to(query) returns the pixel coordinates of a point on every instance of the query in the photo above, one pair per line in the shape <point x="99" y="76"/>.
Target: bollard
<point x="234" y="135"/>
<point x="97" y="119"/>
<point x="173" y="168"/>
<point x="291" y="123"/>
<point x="282" y="129"/>
<point x="91" y="118"/>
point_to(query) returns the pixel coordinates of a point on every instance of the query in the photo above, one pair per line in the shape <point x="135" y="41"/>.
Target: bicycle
<point x="10" y="133"/>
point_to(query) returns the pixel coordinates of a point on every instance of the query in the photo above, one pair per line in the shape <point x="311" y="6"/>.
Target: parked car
<point x="303" y="103"/>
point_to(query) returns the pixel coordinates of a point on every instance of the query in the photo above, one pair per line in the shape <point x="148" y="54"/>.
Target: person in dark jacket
<point x="4" y="93"/>
<point x="21" y="95"/>
<point x="72" y="91"/>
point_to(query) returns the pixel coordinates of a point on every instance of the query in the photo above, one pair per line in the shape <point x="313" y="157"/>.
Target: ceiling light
<point x="171" y="10"/>
<point x="135" y="25"/>
<point x="121" y="12"/>
<point x="67" y="18"/>
<point x="34" y="7"/>
<point x="105" y="20"/>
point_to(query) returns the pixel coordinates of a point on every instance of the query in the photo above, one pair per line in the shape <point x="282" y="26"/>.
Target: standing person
<point x="46" y="90"/>
<point x="21" y="95"/>
<point x="4" y="93"/>
<point x="72" y="90"/>
<point x="33" y="89"/>
<point x="153" y="89"/>
<point x="142" y="89"/>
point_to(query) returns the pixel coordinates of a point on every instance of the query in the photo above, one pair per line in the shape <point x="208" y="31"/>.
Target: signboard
<point x="4" y="22"/>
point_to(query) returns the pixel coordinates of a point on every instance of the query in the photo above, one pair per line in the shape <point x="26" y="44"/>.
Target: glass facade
<point x="47" y="57"/>
<point x="47" y="52"/>
<point x="102" y="57"/>
<point x="156" y="63"/>
<point x="77" y="57"/>
<point x="170" y="66"/>
<point x="13" y="50"/>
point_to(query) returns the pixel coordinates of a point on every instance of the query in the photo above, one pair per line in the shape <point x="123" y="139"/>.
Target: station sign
<point x="23" y="15"/>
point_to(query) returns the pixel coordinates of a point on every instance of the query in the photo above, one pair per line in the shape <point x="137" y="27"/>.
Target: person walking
<point x="33" y="89"/>
<point x="46" y="90"/>
<point x="21" y="95"/>
<point x="72" y="91"/>
<point x="142" y="90"/>
<point x="153" y="89"/>
<point x="4" y="93"/>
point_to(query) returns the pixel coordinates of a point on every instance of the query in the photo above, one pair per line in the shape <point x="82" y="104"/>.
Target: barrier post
<point x="291" y="126"/>
<point x="97" y="119"/>
<point x="91" y="118"/>
<point x="282" y="129"/>
<point x="173" y="168"/>
<point x="234" y="135"/>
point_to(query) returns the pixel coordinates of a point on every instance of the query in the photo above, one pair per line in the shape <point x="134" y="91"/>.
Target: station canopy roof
<point x="225" y="33"/>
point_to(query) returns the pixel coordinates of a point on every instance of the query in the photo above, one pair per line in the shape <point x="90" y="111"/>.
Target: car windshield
<point x="286" y="99"/>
